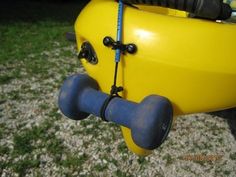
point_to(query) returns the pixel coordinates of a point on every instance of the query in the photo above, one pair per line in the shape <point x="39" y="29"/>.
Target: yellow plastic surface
<point x="162" y="10"/>
<point x="190" y="61"/>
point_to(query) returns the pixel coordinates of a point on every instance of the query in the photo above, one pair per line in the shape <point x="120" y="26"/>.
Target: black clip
<point x="115" y="90"/>
<point x="113" y="94"/>
<point x="109" y="42"/>
<point x="87" y="52"/>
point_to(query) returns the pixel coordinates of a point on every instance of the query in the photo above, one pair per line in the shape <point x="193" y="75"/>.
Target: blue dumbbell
<point x="149" y="121"/>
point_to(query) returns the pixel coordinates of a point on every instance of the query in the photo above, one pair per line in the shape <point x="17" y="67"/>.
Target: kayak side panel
<point x="189" y="61"/>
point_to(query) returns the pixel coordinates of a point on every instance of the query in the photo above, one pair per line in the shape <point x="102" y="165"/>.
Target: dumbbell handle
<point x="117" y="111"/>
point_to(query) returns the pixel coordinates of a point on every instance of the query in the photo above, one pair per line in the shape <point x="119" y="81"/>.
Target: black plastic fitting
<point x="88" y="53"/>
<point x="109" y="42"/>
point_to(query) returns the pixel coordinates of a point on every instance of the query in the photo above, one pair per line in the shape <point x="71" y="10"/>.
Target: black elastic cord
<point x="113" y="93"/>
<point x="114" y="89"/>
<point x="115" y="75"/>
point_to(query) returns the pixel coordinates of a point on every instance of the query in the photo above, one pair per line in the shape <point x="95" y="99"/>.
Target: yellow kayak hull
<point x="192" y="62"/>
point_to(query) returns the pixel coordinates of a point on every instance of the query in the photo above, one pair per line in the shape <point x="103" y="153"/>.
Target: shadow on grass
<point x="34" y="11"/>
<point x="230" y="116"/>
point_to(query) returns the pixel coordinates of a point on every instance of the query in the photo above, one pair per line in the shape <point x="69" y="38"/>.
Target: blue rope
<point x="119" y="29"/>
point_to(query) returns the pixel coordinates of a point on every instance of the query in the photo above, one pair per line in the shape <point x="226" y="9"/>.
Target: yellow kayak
<point x="190" y="61"/>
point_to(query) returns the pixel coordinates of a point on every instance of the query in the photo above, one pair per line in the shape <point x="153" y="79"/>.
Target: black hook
<point x="109" y="42"/>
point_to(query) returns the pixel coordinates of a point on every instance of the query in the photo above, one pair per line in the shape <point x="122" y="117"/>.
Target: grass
<point x="15" y="53"/>
<point x="2" y="128"/>
<point x="54" y="114"/>
<point x="72" y="161"/>
<point x="22" y="166"/>
<point x="36" y="38"/>
<point x="4" y="150"/>
<point x="119" y="173"/>
<point x="27" y="40"/>
<point x="233" y="156"/>
<point x="24" y="142"/>
<point x="4" y="79"/>
<point x="100" y="167"/>
<point x="29" y="48"/>
<point x="122" y="148"/>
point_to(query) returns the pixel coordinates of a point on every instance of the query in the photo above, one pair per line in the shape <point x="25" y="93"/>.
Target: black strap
<point x="104" y="106"/>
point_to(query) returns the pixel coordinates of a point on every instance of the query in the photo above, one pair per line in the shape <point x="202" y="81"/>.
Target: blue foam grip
<point x="149" y="121"/>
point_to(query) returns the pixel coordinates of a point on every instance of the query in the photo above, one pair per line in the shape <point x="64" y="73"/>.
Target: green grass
<point x="23" y="142"/>
<point x="119" y="173"/>
<point x="35" y="38"/>
<point x="142" y="160"/>
<point x="44" y="106"/>
<point x="233" y="156"/>
<point x="54" y="114"/>
<point x="15" y="95"/>
<point x="169" y="159"/>
<point x="72" y="161"/>
<point x="122" y="148"/>
<point x="4" y="150"/>
<point x="6" y="78"/>
<point x="22" y="39"/>
<point x="23" y="48"/>
<point x="22" y="166"/>
<point x="100" y="167"/>
<point x="2" y="128"/>
<point x="33" y="50"/>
